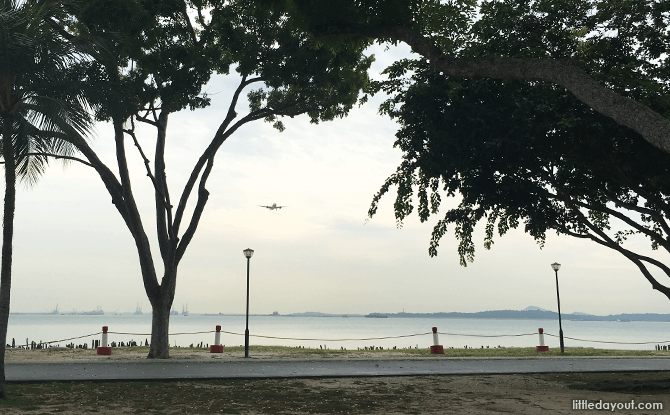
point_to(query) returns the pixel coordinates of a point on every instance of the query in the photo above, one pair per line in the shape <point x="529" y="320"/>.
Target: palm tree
<point x="40" y="112"/>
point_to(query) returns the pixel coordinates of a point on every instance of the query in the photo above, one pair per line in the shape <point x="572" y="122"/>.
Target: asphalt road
<point x="286" y="368"/>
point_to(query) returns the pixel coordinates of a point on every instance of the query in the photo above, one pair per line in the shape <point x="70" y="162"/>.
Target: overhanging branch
<point x="653" y="127"/>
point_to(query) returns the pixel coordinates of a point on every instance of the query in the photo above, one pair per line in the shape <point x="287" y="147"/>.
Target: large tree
<point x="161" y="54"/>
<point x="609" y="42"/>
<point x="41" y="114"/>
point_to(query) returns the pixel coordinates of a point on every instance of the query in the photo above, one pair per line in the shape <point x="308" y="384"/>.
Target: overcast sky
<point x="317" y="254"/>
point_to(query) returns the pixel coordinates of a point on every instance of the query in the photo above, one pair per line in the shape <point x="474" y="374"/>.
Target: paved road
<point x="241" y="369"/>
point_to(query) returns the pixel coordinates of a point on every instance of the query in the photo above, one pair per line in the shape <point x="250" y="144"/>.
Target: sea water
<point x="338" y="332"/>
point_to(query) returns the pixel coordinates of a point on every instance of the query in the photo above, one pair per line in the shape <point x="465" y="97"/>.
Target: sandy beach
<point x="130" y="353"/>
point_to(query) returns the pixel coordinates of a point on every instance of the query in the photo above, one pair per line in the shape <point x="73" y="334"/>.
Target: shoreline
<point x="267" y="353"/>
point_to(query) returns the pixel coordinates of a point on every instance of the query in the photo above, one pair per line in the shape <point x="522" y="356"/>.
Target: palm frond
<point x="36" y="64"/>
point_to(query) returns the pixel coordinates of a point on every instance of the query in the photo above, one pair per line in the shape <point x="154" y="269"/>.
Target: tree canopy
<point x="605" y="53"/>
<point x="531" y="153"/>
<point x="526" y="155"/>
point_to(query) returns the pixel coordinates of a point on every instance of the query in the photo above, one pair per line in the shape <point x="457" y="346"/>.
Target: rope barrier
<point x="274" y="337"/>
<point x="343" y="340"/>
<point x="362" y="339"/>
<point x="603" y="341"/>
<point x="71" y="338"/>
<point x="169" y="334"/>
<point x="491" y="335"/>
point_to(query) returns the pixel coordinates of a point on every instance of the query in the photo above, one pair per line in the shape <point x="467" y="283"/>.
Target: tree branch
<point x="186" y="17"/>
<point x="203" y="196"/>
<point x="146" y="120"/>
<point x="634" y="186"/>
<point x="147" y="163"/>
<point x="632" y="256"/>
<point x="640" y="228"/>
<point x="134" y="222"/>
<point x="58" y="28"/>
<point x="164" y="228"/>
<point x="108" y="178"/>
<point x="658" y="217"/>
<point x="201" y="19"/>
<point x="221" y="132"/>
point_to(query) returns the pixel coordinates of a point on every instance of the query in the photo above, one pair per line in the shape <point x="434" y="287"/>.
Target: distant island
<point x="530" y="313"/>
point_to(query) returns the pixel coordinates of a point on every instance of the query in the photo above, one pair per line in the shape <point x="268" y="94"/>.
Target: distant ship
<point x="97" y="312"/>
<point x="138" y="309"/>
<point x="184" y="310"/>
<point x="55" y="312"/>
<point x="174" y="312"/>
<point x="376" y="315"/>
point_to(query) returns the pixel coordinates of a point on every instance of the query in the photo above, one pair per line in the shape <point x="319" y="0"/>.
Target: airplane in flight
<point x="273" y="206"/>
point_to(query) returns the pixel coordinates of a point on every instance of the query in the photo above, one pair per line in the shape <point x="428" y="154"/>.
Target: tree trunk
<point x="160" y="325"/>
<point x="161" y="303"/>
<point x="7" y="235"/>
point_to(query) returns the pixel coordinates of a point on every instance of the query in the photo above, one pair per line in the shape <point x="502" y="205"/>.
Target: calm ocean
<point x="327" y="330"/>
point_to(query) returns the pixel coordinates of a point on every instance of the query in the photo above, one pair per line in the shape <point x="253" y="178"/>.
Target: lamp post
<point x="556" y="266"/>
<point x="247" y="253"/>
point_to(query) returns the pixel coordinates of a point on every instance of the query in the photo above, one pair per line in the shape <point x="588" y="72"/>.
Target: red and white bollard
<point x="217" y="347"/>
<point x="436" y="348"/>
<point x="541" y="347"/>
<point x="104" y="349"/>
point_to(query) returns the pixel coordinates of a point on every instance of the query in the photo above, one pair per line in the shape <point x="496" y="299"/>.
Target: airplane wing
<point x="265" y="206"/>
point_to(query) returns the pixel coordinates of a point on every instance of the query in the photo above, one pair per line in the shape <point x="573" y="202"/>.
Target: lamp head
<point x="248" y="252"/>
<point x="556" y="266"/>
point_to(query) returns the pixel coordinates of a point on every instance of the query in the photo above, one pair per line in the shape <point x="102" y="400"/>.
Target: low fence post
<point x="217" y="347"/>
<point x="104" y="349"/>
<point x="541" y="347"/>
<point x="436" y="348"/>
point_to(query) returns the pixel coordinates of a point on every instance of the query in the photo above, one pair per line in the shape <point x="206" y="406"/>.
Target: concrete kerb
<point x="181" y="369"/>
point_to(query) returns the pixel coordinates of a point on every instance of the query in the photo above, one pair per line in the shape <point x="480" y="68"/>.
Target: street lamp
<point x="247" y="253"/>
<point x="556" y="266"/>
